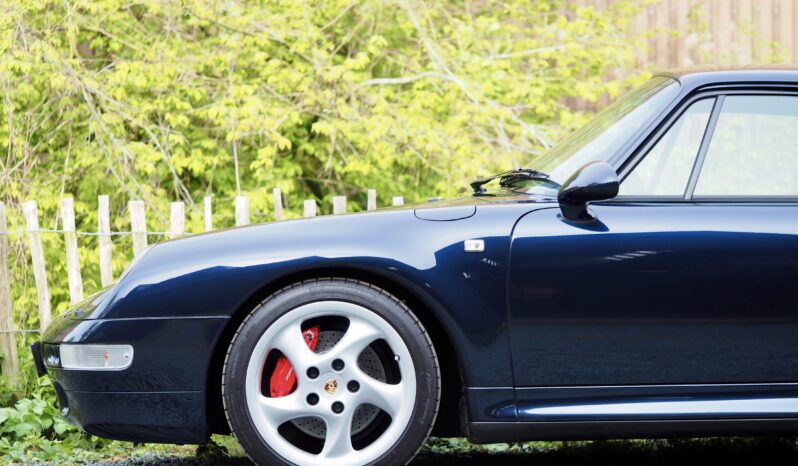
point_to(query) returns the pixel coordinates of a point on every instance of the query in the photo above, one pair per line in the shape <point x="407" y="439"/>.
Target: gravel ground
<point x="736" y="451"/>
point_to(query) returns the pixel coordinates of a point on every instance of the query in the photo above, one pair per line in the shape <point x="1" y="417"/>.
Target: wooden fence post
<point x="72" y="259"/>
<point x="8" y="341"/>
<point x="104" y="240"/>
<point x="177" y="220"/>
<point x="138" y="226"/>
<point x="208" y="214"/>
<point x="278" y="204"/>
<point x="339" y="205"/>
<point x="37" y="257"/>
<point x="371" y="202"/>
<point x="242" y="210"/>
<point x="398" y="200"/>
<point x="309" y="208"/>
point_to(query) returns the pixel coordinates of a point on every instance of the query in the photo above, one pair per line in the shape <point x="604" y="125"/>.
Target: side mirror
<point x="595" y="181"/>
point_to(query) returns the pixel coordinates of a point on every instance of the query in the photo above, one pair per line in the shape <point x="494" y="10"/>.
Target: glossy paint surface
<point x="162" y="417"/>
<point x="213" y="275"/>
<point x="661" y="293"/>
<point x="596" y="181"/>
<point x="669" y="315"/>
<point x="170" y="354"/>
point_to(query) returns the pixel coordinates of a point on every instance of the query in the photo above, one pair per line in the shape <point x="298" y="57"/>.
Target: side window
<point x="754" y="149"/>
<point x="665" y="170"/>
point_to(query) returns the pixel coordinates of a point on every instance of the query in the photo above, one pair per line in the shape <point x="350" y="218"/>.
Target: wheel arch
<point x="448" y="423"/>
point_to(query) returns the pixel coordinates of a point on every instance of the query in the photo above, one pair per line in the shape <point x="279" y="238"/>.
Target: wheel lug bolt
<point x="353" y="386"/>
<point x="337" y="365"/>
<point x="313" y="372"/>
<point x="338" y="407"/>
<point x="313" y="399"/>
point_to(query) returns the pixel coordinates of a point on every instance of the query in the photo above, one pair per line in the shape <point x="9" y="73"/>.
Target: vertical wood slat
<point x="639" y="28"/>
<point x="783" y="12"/>
<point x="242" y="210"/>
<point x="71" y="243"/>
<point x="676" y="42"/>
<point x="694" y="49"/>
<point x="177" y="220"/>
<point x="309" y="207"/>
<point x="104" y="239"/>
<point x="339" y="205"/>
<point x="371" y="201"/>
<point x="741" y="31"/>
<point x="8" y="342"/>
<point x="734" y="19"/>
<point x="744" y="21"/>
<point x="278" y="204"/>
<point x="794" y="32"/>
<point x="686" y="56"/>
<point x="398" y="200"/>
<point x="722" y="33"/>
<point x="138" y="226"/>
<point x="31" y="213"/>
<point x="662" y="37"/>
<point x="763" y="29"/>
<point x="208" y="213"/>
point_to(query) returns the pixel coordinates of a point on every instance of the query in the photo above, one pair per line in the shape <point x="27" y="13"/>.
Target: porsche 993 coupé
<point x="639" y="280"/>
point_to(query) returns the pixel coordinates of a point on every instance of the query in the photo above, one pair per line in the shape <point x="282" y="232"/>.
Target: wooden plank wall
<point x="724" y="32"/>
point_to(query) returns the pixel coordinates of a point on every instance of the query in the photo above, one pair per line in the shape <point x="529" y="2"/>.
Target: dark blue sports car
<point x="641" y="280"/>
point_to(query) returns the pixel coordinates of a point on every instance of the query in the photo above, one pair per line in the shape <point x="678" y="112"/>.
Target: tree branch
<point x="400" y="80"/>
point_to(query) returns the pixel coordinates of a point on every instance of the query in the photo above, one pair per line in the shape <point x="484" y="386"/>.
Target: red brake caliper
<point x="283" y="379"/>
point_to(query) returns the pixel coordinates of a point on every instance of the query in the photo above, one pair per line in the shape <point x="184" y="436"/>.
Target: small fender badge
<point x="474" y="245"/>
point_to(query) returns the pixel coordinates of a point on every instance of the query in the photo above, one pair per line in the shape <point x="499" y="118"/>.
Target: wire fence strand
<point x="80" y="233"/>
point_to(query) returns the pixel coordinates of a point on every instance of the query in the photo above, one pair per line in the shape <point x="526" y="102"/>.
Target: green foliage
<point x="33" y="430"/>
<point x="31" y="426"/>
<point x="174" y="100"/>
<point x="165" y="101"/>
<point x="160" y="100"/>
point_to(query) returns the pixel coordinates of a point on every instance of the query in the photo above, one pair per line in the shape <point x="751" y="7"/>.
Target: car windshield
<point x="603" y="136"/>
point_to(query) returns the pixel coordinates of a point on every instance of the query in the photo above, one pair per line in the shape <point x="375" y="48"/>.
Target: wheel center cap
<point x="331" y="386"/>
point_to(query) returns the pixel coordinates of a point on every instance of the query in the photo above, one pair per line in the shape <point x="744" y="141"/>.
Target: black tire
<point x="376" y="300"/>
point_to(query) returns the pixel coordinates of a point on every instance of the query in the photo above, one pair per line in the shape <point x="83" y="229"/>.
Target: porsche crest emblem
<point x="331" y="386"/>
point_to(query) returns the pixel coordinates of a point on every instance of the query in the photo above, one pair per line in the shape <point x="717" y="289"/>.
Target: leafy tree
<point x="174" y="100"/>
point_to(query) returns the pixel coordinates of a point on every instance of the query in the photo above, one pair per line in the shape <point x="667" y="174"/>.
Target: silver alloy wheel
<point x="365" y="327"/>
<point x="365" y="414"/>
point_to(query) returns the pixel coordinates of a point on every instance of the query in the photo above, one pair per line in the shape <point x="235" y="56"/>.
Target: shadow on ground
<point x="705" y="452"/>
<point x="719" y="451"/>
<point x="445" y="452"/>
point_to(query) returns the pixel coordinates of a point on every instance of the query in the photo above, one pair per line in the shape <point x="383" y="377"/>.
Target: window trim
<point x="656" y="136"/>
<point x="642" y="150"/>
<point x="709" y="132"/>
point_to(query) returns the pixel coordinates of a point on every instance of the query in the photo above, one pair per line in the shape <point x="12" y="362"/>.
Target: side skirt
<point x="495" y="432"/>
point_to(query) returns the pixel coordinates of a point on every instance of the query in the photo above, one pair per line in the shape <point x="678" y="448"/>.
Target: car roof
<point x="708" y="75"/>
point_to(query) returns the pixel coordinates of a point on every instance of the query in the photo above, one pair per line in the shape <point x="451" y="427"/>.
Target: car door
<point x="684" y="291"/>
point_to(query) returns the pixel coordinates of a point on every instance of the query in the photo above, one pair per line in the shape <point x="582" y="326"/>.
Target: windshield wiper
<point x="508" y="178"/>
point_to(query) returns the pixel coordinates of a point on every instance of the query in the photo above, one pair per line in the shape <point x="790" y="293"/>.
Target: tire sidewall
<point x="374" y="299"/>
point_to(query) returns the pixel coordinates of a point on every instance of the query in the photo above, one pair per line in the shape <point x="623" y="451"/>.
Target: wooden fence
<point x="138" y="232"/>
<point x="683" y="33"/>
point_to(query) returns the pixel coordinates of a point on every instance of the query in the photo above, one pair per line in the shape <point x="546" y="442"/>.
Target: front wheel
<point x="332" y="372"/>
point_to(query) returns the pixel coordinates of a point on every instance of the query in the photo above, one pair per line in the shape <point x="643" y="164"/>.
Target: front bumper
<point x="38" y="362"/>
<point x="161" y="397"/>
